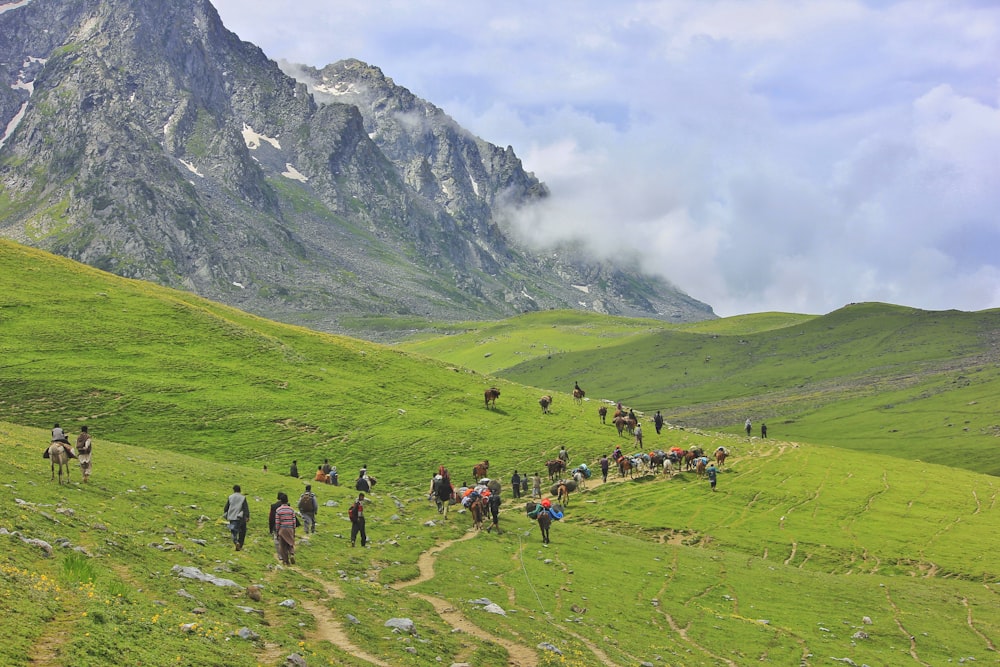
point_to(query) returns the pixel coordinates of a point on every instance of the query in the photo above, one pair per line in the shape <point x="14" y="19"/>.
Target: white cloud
<point x="761" y="155"/>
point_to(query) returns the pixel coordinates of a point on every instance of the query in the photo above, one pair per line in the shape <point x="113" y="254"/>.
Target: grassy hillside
<point x="869" y="377"/>
<point x="781" y="565"/>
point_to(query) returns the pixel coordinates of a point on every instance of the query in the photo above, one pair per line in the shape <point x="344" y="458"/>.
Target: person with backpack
<point x="308" y="506"/>
<point x="356" y="513"/>
<point x="658" y="422"/>
<point x="515" y="482"/>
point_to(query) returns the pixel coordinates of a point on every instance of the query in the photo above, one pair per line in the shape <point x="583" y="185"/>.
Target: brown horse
<point x="720" y="457"/>
<point x="544" y="522"/>
<point x="478" y="510"/>
<point x="626" y="466"/>
<point x="602" y="412"/>
<point x="491" y="395"/>
<point x="545" y="402"/>
<point x="699" y="467"/>
<point x="480" y="470"/>
<point x="58" y="456"/>
<point x="562" y="493"/>
<point x="578" y="395"/>
<point x="556" y="467"/>
<point x="620" y="424"/>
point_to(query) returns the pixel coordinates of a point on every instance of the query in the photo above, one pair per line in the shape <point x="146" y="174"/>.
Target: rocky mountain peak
<point x="146" y="139"/>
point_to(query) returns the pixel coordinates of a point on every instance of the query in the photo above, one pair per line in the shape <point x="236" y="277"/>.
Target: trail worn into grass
<point x="899" y="624"/>
<point x="47" y="648"/>
<point x="519" y="655"/>
<point x="329" y="629"/>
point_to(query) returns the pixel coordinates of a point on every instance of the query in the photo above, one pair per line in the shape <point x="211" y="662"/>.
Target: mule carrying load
<point x="570" y="485"/>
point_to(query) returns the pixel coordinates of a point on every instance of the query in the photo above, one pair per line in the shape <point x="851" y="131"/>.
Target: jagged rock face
<point x="146" y="139"/>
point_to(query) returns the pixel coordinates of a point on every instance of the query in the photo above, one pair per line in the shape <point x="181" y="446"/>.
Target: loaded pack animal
<point x="691" y="456"/>
<point x="625" y="465"/>
<point x="556" y="467"/>
<point x="602" y="412"/>
<point x="478" y="511"/>
<point x="699" y="466"/>
<point x="578" y="394"/>
<point x="491" y="395"/>
<point x="620" y="424"/>
<point x="720" y="456"/>
<point x="663" y="460"/>
<point x="481" y="469"/>
<point x="544" y="523"/>
<point x="581" y="479"/>
<point x="58" y="456"/>
<point x="630" y="424"/>
<point x="545" y="402"/>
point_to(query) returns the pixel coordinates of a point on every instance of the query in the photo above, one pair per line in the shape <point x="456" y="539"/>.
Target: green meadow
<point x="820" y="546"/>
<point x="868" y="377"/>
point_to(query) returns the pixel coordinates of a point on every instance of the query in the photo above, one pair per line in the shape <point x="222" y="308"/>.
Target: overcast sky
<point x="760" y="155"/>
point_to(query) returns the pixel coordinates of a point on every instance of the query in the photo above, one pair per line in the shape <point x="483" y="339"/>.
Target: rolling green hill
<point x="868" y="377"/>
<point x="806" y="554"/>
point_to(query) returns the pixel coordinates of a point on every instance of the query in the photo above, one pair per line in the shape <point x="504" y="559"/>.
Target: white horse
<point x="59" y="456"/>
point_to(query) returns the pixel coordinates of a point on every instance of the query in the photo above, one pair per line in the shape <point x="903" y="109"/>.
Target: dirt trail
<point x="519" y="655"/>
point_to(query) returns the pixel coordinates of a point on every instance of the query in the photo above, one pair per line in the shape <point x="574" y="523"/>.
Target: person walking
<point x="442" y="490"/>
<point x="272" y="527"/>
<point x="237" y="512"/>
<point x="284" y="523"/>
<point x="711" y="472"/>
<point x="638" y="435"/>
<point x="294" y="472"/>
<point x="563" y="456"/>
<point x="536" y="486"/>
<point x="748" y="425"/>
<point x="308" y="506"/>
<point x="763" y="430"/>
<point x="658" y="422"/>
<point x="524" y="484"/>
<point x="356" y="513"/>
<point x="84" y="448"/>
<point x="515" y="482"/>
<point x="605" y="465"/>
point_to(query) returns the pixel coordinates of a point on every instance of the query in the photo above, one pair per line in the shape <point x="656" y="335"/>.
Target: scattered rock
<point x="295" y="660"/>
<point x="247" y="633"/>
<point x="866" y="620"/>
<point x="481" y="601"/>
<point x="250" y="610"/>
<point x="402" y="625"/>
<point x="287" y="603"/>
<point x="495" y="609"/>
<point x="860" y="634"/>
<point x="188" y="627"/>
<point x="352" y="620"/>
<point x="545" y="646"/>
<point x="578" y="610"/>
<point x="195" y="573"/>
